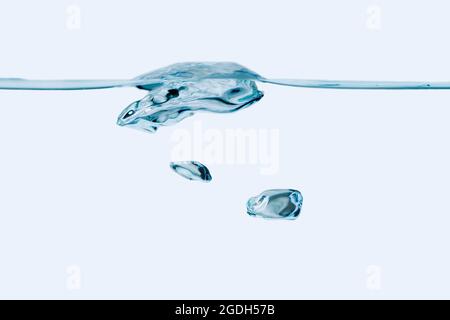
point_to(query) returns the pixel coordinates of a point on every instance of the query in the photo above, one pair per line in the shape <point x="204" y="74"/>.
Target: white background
<point x="92" y="210"/>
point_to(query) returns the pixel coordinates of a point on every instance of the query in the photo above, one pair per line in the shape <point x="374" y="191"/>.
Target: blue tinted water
<point x="180" y="90"/>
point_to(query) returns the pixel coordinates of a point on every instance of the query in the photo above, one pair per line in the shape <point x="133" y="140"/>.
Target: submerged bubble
<point x="276" y="204"/>
<point x="191" y="170"/>
<point x="179" y="91"/>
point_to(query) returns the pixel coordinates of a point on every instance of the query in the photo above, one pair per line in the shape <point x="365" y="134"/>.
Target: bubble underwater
<point x="276" y="204"/>
<point x="191" y="170"/>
